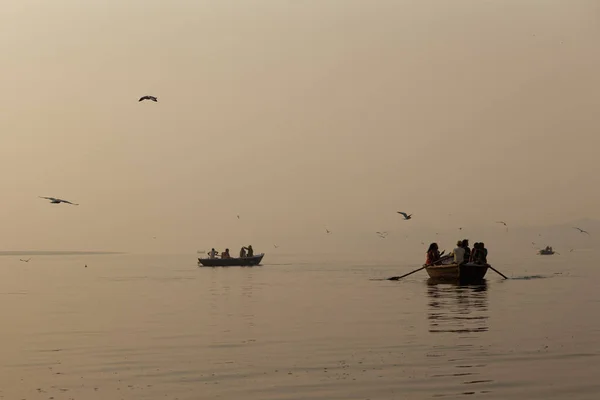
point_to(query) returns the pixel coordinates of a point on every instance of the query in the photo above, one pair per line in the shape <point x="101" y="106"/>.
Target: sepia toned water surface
<point x="159" y="327"/>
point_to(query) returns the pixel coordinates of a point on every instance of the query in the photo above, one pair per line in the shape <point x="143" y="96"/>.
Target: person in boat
<point x="478" y="256"/>
<point x="225" y="254"/>
<point x="242" y="252"/>
<point x="484" y="251"/>
<point x="250" y="251"/>
<point x="213" y="253"/>
<point x="433" y="254"/>
<point x="459" y="253"/>
<point x="474" y="253"/>
<point x="465" y="246"/>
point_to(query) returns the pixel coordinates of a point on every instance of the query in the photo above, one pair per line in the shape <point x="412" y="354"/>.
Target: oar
<point x="498" y="272"/>
<point x="395" y="278"/>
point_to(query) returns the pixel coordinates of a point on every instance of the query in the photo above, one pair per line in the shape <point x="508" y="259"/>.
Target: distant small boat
<point x="548" y="251"/>
<point x="231" y="262"/>
<point x="464" y="273"/>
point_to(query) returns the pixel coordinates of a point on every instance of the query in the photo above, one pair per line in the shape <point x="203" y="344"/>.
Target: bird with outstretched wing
<point x="582" y="231"/>
<point x="405" y="215"/>
<point x="55" y="200"/>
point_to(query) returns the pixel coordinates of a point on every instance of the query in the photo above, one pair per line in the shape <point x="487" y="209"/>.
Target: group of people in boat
<point x="462" y="254"/>
<point x="244" y="252"/>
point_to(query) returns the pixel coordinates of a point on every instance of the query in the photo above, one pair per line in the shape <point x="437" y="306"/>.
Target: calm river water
<point x="159" y="327"/>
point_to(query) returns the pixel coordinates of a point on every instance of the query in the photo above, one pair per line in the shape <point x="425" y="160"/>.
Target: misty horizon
<point x="296" y="116"/>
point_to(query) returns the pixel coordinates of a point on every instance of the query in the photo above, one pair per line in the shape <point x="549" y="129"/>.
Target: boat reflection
<point x="457" y="308"/>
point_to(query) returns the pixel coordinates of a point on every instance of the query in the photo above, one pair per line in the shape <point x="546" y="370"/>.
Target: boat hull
<point x="231" y="262"/>
<point x="545" y="253"/>
<point x="465" y="273"/>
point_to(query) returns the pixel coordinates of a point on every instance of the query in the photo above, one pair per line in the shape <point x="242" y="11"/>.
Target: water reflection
<point x="460" y="312"/>
<point x="457" y="308"/>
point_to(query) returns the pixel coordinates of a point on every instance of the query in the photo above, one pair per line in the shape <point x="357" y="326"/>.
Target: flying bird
<point x="154" y="99"/>
<point x="238" y="217"/>
<point x="501" y="222"/>
<point x="382" y="235"/>
<point x="327" y="230"/>
<point x="405" y="215"/>
<point x="275" y="246"/>
<point x="581" y="230"/>
<point x="460" y="229"/>
<point x="54" y="200"/>
<point x="20" y="259"/>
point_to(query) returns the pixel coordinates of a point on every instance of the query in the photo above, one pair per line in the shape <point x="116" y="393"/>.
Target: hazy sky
<point x="296" y="115"/>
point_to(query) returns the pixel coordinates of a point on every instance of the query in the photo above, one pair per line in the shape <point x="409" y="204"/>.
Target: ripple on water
<point x="293" y="332"/>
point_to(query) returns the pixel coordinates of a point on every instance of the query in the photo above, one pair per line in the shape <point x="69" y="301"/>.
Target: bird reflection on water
<point x="457" y="308"/>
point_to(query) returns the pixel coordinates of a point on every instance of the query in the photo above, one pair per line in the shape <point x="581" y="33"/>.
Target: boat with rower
<point x="231" y="262"/>
<point x="447" y="270"/>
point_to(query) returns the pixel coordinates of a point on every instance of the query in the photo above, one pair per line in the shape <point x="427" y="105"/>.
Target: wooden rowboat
<point x="464" y="273"/>
<point x="231" y="262"/>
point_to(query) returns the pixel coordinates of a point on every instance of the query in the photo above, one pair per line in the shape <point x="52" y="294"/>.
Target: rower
<point x="250" y="251"/>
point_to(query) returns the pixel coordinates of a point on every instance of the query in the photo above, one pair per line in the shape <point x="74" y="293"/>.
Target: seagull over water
<point x="54" y="200"/>
<point x="501" y="222"/>
<point x="581" y="230"/>
<point x="327" y="230"/>
<point x="20" y="259"/>
<point x="154" y="99"/>
<point x="405" y="215"/>
<point x="382" y="235"/>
